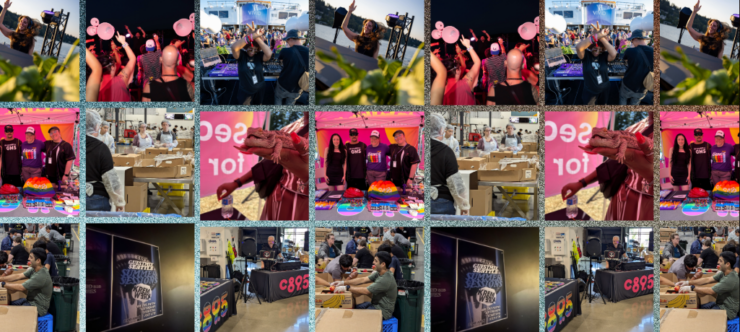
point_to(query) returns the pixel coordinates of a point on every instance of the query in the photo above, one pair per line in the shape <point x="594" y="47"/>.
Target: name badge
<point x="598" y="79"/>
<point x="254" y="79"/>
<point x="394" y="164"/>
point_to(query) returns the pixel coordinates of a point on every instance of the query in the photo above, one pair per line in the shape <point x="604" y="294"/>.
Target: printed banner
<point x="668" y="136"/>
<point x="564" y="161"/>
<point x="216" y="305"/>
<point x="219" y="161"/>
<point x="124" y="285"/>
<point x="255" y="12"/>
<point x="601" y="13"/>
<point x="559" y="306"/>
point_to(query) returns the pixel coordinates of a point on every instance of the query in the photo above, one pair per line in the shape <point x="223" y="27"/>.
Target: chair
<point x="46" y="323"/>
<point x="390" y="325"/>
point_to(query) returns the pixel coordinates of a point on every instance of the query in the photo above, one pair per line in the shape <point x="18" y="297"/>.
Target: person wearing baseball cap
<point x="10" y="163"/>
<point x="149" y="63"/>
<point x="701" y="162"/>
<point x="721" y="158"/>
<point x="294" y="57"/>
<point x="356" y="165"/>
<point x="494" y="70"/>
<point x="639" y="59"/>
<point x="404" y="160"/>
<point x="59" y="157"/>
<point x="377" y="159"/>
<point x="33" y="160"/>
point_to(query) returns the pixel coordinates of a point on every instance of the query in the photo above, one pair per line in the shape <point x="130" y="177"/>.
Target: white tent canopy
<point x="674" y="120"/>
<point x="359" y="120"/>
<point x="27" y="116"/>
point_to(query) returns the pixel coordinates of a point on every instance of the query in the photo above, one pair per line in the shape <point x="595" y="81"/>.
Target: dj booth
<point x="278" y="285"/>
<point x="621" y="285"/>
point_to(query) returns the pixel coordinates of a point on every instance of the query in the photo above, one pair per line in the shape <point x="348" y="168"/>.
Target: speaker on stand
<point x="249" y="252"/>
<point x="593" y="251"/>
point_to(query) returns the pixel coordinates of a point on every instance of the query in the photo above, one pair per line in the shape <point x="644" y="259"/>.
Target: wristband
<point x="238" y="182"/>
<point x="469" y="49"/>
<point x="583" y="182"/>
<point x="347" y="287"/>
<point x="692" y="287"/>
<point x="124" y="44"/>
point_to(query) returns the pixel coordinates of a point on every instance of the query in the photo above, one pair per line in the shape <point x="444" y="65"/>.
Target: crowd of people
<point x="486" y="67"/>
<point x="358" y="165"/>
<point x="726" y="288"/>
<point x="23" y="160"/>
<point x="37" y="282"/>
<point x="251" y="47"/>
<point x="702" y="165"/>
<point x="141" y="69"/>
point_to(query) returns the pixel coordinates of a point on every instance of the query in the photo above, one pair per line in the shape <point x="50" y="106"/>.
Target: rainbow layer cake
<point x="383" y="190"/>
<point x="39" y="187"/>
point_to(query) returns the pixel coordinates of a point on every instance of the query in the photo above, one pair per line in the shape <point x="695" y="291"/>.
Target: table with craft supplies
<point x="37" y="198"/>
<point x="374" y="204"/>
<point x="720" y="204"/>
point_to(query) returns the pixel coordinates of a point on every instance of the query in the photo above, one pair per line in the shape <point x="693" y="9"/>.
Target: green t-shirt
<point x="384" y="291"/>
<point x="728" y="292"/>
<point x="39" y="287"/>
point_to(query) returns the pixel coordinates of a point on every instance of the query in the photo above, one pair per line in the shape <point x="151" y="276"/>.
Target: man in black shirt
<point x="356" y="165"/>
<point x="250" y="57"/>
<point x="404" y="160"/>
<point x="274" y="247"/>
<point x="639" y="61"/>
<point x="708" y="258"/>
<point x="595" y="65"/>
<point x="10" y="163"/>
<point x="616" y="246"/>
<point x="363" y="256"/>
<point x="59" y="157"/>
<point x="295" y="63"/>
<point x="100" y="173"/>
<point x="701" y="162"/>
<point x="18" y="255"/>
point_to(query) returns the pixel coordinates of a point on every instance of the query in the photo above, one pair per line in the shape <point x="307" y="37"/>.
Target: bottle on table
<point x="571" y="211"/>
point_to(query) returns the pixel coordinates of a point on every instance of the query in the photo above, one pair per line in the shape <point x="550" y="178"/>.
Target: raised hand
<point x="697" y="6"/>
<point x="7" y="4"/>
<point x="352" y="6"/>
<point x="120" y="39"/>
<point x="465" y="42"/>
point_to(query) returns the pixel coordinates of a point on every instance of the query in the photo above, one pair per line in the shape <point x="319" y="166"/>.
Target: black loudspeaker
<point x="683" y="17"/>
<point x="593" y="241"/>
<point x="249" y="247"/>
<point x="339" y="15"/>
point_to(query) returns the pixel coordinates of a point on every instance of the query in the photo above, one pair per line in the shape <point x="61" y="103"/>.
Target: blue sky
<point x="716" y="9"/>
<point x="33" y="9"/>
<point x="378" y="9"/>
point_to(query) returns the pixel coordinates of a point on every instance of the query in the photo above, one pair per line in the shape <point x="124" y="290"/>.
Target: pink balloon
<point x="92" y="31"/>
<point x="528" y="31"/>
<point x="436" y="34"/>
<point x="439" y="25"/>
<point x="94" y="21"/>
<point x="106" y="31"/>
<point x="450" y="35"/>
<point x="183" y="27"/>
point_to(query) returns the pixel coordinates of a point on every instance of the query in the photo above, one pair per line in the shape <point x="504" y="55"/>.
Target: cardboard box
<point x="514" y="175"/>
<point x="667" y="232"/>
<point x="529" y="146"/>
<point x="495" y="157"/>
<point x="321" y="233"/>
<point x="184" y="151"/>
<point x="136" y="197"/>
<point x="481" y="201"/>
<point x="19" y="318"/>
<point x="324" y="276"/>
<point x="335" y="320"/>
<point x="362" y="298"/>
<point x="153" y="152"/>
<point x="683" y="301"/>
<point x="126" y="160"/>
<point x="694" y="320"/>
<point x="169" y="169"/>
<point x="125" y="174"/>
<point x="185" y="143"/>
<point x="29" y="243"/>
<point x="719" y="246"/>
<point x="471" y="163"/>
<point x="333" y="300"/>
<point x="516" y="165"/>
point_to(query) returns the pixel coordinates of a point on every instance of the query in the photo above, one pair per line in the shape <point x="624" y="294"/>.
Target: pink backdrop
<point x="220" y="162"/>
<point x="564" y="161"/>
<point x="669" y="135"/>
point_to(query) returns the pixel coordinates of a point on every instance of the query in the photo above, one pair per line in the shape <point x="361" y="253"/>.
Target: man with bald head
<point x="515" y="90"/>
<point x="272" y="246"/>
<point x="616" y="246"/>
<point x="170" y="86"/>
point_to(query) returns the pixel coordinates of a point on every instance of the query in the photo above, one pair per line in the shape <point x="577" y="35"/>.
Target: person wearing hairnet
<point x="450" y="140"/>
<point x="511" y="141"/>
<point x="487" y="143"/>
<point x="106" y="137"/>
<point x="142" y="140"/>
<point x="104" y="189"/>
<point x="448" y="190"/>
<point x="167" y="137"/>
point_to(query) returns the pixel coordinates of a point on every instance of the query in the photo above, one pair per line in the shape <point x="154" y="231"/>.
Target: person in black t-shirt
<point x="356" y="166"/>
<point x="10" y="163"/>
<point x="639" y="60"/>
<point x="59" y="157"/>
<point x="18" y="255"/>
<point x="273" y="246"/>
<point x="701" y="162"/>
<point x="250" y="57"/>
<point x="448" y="189"/>
<point x="616" y="246"/>
<point x="404" y="160"/>
<point x="595" y="65"/>
<point x="295" y="64"/>
<point x="514" y="90"/>
<point x="101" y="176"/>
<point x="363" y="255"/>
<point x="708" y="258"/>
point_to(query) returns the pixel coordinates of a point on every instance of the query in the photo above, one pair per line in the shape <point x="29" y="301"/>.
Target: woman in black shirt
<point x="18" y="254"/>
<point x="367" y="42"/>
<point x="335" y="156"/>
<point x="708" y="257"/>
<point x="680" y="163"/>
<point x="712" y="41"/>
<point x="22" y="39"/>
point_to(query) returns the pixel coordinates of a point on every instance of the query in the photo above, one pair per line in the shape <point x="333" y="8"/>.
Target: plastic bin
<point x="409" y="305"/>
<point x="64" y="300"/>
<point x="390" y="325"/>
<point x="62" y="264"/>
<point x="45" y="323"/>
<point x="62" y="246"/>
<point x="406" y="266"/>
<point x="733" y="325"/>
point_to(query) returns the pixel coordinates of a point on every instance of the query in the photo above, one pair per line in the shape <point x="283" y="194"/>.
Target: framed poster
<point x="123" y="281"/>
<point x="469" y="280"/>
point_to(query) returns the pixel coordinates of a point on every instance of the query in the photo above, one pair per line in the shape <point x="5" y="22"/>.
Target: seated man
<point x="616" y="246"/>
<point x="37" y="288"/>
<point x="18" y="255"/>
<point x="383" y="291"/>
<point x="727" y="291"/>
<point x="351" y="247"/>
<point x="338" y="266"/>
<point x="274" y="247"/>
<point x="395" y="265"/>
<point x="7" y="243"/>
<point x="50" y="263"/>
<point x="681" y="268"/>
<point x="696" y="245"/>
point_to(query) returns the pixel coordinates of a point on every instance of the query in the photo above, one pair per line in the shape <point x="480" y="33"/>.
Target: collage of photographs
<point x="244" y="167"/>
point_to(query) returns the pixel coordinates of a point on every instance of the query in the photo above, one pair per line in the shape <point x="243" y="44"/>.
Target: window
<point x="296" y="235"/>
<point x="213" y="13"/>
<point x="568" y="14"/>
<point x="636" y="15"/>
<point x="223" y="14"/>
<point x="558" y="13"/>
<point x="627" y="15"/>
<point x="292" y="14"/>
<point x="283" y="15"/>
<point x="639" y="235"/>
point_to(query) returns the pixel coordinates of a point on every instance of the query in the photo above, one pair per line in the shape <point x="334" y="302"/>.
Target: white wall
<point x="571" y="233"/>
<point x="499" y="120"/>
<point x="226" y="234"/>
<point x="154" y="117"/>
